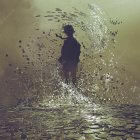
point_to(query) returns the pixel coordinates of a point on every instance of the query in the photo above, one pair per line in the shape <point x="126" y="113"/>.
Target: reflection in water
<point x="79" y="122"/>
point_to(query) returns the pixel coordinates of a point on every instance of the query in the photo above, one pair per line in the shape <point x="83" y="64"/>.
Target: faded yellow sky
<point x="17" y="21"/>
<point x="128" y="39"/>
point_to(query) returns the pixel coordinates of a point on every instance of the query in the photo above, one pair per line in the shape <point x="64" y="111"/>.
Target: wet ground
<point x="79" y="122"/>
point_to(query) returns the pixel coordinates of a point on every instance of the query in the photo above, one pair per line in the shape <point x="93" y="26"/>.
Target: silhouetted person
<point x="70" y="53"/>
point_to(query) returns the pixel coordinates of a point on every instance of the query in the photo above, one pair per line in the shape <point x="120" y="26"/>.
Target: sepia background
<point x="18" y="22"/>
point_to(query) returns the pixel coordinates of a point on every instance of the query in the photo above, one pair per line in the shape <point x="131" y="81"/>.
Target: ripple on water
<point x="69" y="122"/>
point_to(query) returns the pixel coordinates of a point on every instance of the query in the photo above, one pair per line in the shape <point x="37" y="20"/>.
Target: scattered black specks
<point x="37" y="16"/>
<point x="122" y="84"/>
<point x="59" y="12"/>
<point x="114" y="33"/>
<point x="115" y="22"/>
<point x="75" y="8"/>
<point x="58" y="21"/>
<point x="73" y="15"/>
<point x="6" y="55"/>
<point x="10" y="65"/>
<point x="105" y="89"/>
<point x="49" y="16"/>
<point x="48" y="11"/>
<point x="38" y="37"/>
<point x="23" y="51"/>
<point x="82" y="14"/>
<point x="32" y="63"/>
<point x="96" y="74"/>
<point x="27" y="59"/>
<point x="83" y="45"/>
<point x="50" y="19"/>
<point x="57" y="9"/>
<point x="101" y="78"/>
<point x="20" y="41"/>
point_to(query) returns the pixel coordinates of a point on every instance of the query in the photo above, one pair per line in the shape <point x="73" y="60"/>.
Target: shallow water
<point x="79" y="122"/>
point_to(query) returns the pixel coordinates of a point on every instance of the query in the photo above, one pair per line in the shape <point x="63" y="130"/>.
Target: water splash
<point x="99" y="74"/>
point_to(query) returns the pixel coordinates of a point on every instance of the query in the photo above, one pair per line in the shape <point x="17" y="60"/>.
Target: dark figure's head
<point x="69" y="30"/>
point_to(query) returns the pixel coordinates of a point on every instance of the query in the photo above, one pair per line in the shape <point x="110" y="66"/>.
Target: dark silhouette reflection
<point x="70" y="53"/>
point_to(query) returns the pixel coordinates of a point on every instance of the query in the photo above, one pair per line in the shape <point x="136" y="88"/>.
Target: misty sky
<point x="17" y="19"/>
<point x="128" y="42"/>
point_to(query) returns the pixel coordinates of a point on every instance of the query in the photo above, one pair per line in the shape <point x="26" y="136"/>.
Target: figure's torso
<point x="71" y="49"/>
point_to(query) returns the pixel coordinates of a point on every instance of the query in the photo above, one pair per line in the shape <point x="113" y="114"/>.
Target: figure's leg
<point x="65" y="73"/>
<point x="73" y="73"/>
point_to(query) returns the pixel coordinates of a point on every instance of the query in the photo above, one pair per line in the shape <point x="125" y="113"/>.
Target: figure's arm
<point x="60" y="36"/>
<point x="62" y="57"/>
<point x="79" y="49"/>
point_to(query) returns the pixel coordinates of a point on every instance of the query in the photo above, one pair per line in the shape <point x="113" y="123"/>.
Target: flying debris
<point x="48" y="11"/>
<point x="114" y="33"/>
<point x="115" y="22"/>
<point x="58" y="20"/>
<point x="10" y="65"/>
<point x="38" y="37"/>
<point x="59" y="12"/>
<point x="40" y="46"/>
<point x="57" y="9"/>
<point x="122" y="83"/>
<point x="28" y="59"/>
<point x="37" y="16"/>
<point x="73" y="15"/>
<point x="6" y="55"/>
<point x="49" y="16"/>
<point x="82" y="14"/>
<point x="43" y="47"/>
<point x="50" y="19"/>
<point x="75" y="9"/>
<point x="101" y="56"/>
<point x="23" y="51"/>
